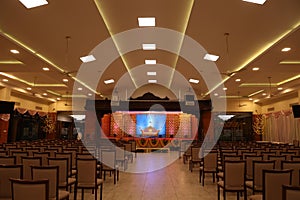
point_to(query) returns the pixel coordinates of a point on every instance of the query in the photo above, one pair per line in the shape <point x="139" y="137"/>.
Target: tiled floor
<point x="174" y="182"/>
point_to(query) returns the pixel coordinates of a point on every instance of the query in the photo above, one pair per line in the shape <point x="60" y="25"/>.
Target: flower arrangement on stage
<point x="48" y="125"/>
<point x="258" y="124"/>
<point x="142" y="142"/>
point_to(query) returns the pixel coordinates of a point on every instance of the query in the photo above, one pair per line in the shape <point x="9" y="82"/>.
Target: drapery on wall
<point x="281" y="127"/>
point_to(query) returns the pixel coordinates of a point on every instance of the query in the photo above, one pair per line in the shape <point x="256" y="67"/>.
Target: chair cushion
<point x="221" y="184"/>
<point x="62" y="194"/>
<point x="90" y="185"/>
<point x="220" y="174"/>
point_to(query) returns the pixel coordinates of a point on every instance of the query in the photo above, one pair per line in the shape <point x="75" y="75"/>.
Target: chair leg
<point x="200" y="175"/>
<point x="213" y="174"/>
<point x="224" y="194"/>
<point x="82" y="194"/>
<point x="238" y="195"/>
<point x="96" y="193"/>
<point x="101" y="188"/>
<point x="115" y="177"/>
<point x="203" y="177"/>
<point x="75" y="192"/>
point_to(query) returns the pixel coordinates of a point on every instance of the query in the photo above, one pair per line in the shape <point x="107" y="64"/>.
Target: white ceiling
<point x="257" y="33"/>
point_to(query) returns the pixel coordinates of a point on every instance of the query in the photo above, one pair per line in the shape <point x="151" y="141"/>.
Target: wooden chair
<point x="272" y="184"/>
<point x="210" y="165"/>
<point x="51" y="173"/>
<point x="7" y="160"/>
<point x="295" y="165"/>
<point x="234" y="178"/>
<point x="278" y="160"/>
<point x="27" y="162"/>
<point x="29" y="189"/>
<point x="290" y="192"/>
<point x="7" y="172"/>
<point x="86" y="177"/>
<point x="44" y="156"/>
<point x="195" y="157"/>
<point x="249" y="163"/>
<point x="256" y="185"/>
<point x="108" y="160"/>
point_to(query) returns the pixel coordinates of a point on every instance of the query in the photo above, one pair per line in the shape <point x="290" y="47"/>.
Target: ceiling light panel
<point x="290" y="62"/>
<point x="109" y="81"/>
<point x="150" y="62"/>
<point x="14" y="51"/>
<point x="149" y="46"/>
<point x="152" y="81"/>
<point x="193" y="81"/>
<point x="286" y="49"/>
<point x="33" y="3"/>
<point x="146" y="21"/>
<point x="151" y="73"/>
<point x="88" y="58"/>
<point x="211" y="57"/>
<point x="255" y="68"/>
<point x="46" y="69"/>
<point x="261" y="2"/>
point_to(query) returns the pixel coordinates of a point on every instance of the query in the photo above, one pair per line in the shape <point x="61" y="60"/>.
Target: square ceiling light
<point x="261" y="2"/>
<point x="109" y="81"/>
<point x="88" y="58"/>
<point x="146" y="21"/>
<point x="150" y="62"/>
<point x="211" y="57"/>
<point x="149" y="46"/>
<point x="33" y="3"/>
<point x="151" y="73"/>
<point x="152" y="81"/>
<point x="193" y="81"/>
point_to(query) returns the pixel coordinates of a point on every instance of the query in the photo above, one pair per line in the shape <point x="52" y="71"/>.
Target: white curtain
<point x="281" y="127"/>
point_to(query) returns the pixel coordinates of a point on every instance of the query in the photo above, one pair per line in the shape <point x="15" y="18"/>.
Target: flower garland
<point x="142" y="142"/>
<point x="153" y="142"/>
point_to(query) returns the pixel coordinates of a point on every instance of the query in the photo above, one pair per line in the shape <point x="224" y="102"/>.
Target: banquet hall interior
<point x="167" y="99"/>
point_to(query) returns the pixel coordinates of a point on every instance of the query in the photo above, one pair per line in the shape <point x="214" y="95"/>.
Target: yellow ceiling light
<point x="288" y="80"/>
<point x="52" y="92"/>
<point x="184" y="27"/>
<point x="11" y="62"/>
<point x="290" y="62"/>
<point x="97" y="2"/>
<point x="45" y="60"/>
<point x="33" y="3"/>
<point x="255" y="93"/>
<point x="286" y="49"/>
<point x="14" y="51"/>
<point x="258" y="84"/>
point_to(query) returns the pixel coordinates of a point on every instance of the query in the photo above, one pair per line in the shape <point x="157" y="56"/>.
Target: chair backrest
<point x="108" y="158"/>
<point x="120" y="153"/>
<point x="267" y="154"/>
<point x="273" y="181"/>
<point x="234" y="173"/>
<point x="258" y="166"/>
<point x="249" y="163"/>
<point x="288" y="154"/>
<point x="210" y="161"/>
<point x="31" y="150"/>
<point x="296" y="158"/>
<point x="74" y="153"/>
<point x="86" y="171"/>
<point x="62" y="164"/>
<point x="69" y="157"/>
<point x="27" y="162"/>
<point x="44" y="156"/>
<point x="277" y="159"/>
<point x="295" y="165"/>
<point x="244" y="154"/>
<point x="84" y="155"/>
<point x="7" y="172"/>
<point x="7" y="160"/>
<point x="29" y="189"/>
<point x="3" y="153"/>
<point x="51" y="151"/>
<point x="47" y="172"/>
<point x="290" y="192"/>
<point x="18" y="155"/>
<point x="195" y="154"/>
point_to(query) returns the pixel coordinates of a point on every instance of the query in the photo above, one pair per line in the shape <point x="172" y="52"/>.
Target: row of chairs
<point x="44" y="182"/>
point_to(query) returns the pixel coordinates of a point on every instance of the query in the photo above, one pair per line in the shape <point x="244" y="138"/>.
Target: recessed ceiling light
<point x="146" y="21"/>
<point x="45" y="94"/>
<point x="88" y="58"/>
<point x="255" y="68"/>
<point x="90" y="94"/>
<point x="193" y="81"/>
<point x="224" y="88"/>
<point x="46" y="69"/>
<point x="264" y="94"/>
<point x="152" y="81"/>
<point x="14" y="51"/>
<point x="109" y="81"/>
<point x="286" y="49"/>
<point x="211" y="57"/>
<point x="287" y="90"/>
<point x="150" y="62"/>
<point x="151" y="73"/>
<point x="149" y="46"/>
<point x="256" y="100"/>
<point x="237" y="80"/>
<point x="261" y="2"/>
<point x="250" y="99"/>
<point x="57" y="98"/>
<point x="33" y="3"/>
<point x="29" y="88"/>
<point x="65" y="80"/>
<point x="79" y="88"/>
<point x="280" y="88"/>
<point x="5" y="80"/>
<point x="216" y="94"/>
